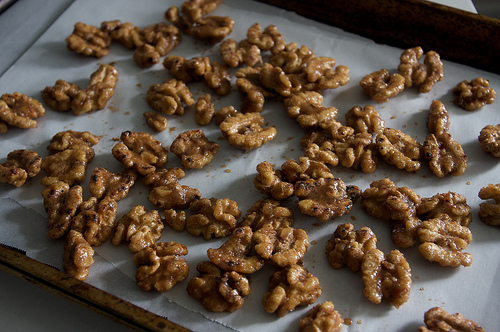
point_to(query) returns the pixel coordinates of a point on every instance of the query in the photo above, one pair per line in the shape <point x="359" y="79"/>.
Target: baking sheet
<point x="471" y="291"/>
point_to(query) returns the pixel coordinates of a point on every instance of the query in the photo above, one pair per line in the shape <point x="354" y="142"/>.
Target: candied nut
<point x="68" y="165"/>
<point x="283" y="246"/>
<point x="426" y="75"/>
<point x="160" y="266"/>
<point x="399" y="149"/>
<point x="323" y="317"/>
<point x="382" y="86"/>
<point x="267" y="211"/>
<point x="78" y="256"/>
<point x="194" y="149"/>
<point x="218" y="79"/>
<point x="490" y="212"/>
<point x="216" y="290"/>
<point x="163" y="37"/>
<point x="60" y="96"/>
<point x="452" y="204"/>
<point x="439" y="320"/>
<point x="358" y="152"/>
<point x="138" y="227"/>
<point x="293" y="58"/>
<point x="293" y="171"/>
<point x="438" y="122"/>
<point x="236" y="253"/>
<point x="235" y="55"/>
<point x="140" y="151"/>
<point x="443" y="241"/>
<point x="386" y="277"/>
<point x="204" y="110"/>
<point x="20" y="165"/>
<point x="269" y="182"/>
<point x="489" y="138"/>
<point x="95" y="219"/>
<point x="224" y="113"/>
<point x="253" y="92"/>
<point x="474" y="94"/>
<point x="445" y="155"/>
<point x="67" y="139"/>
<point x="365" y="120"/>
<point x="213" y="217"/>
<point x="268" y="40"/>
<point x="187" y="70"/>
<point x="167" y="193"/>
<point x="290" y="287"/>
<point x="156" y="121"/>
<point x="88" y="40"/>
<point x="61" y="202"/>
<point x="19" y="110"/>
<point x="307" y="108"/>
<point x="176" y="219"/>
<point x="325" y="199"/>
<point x="169" y="97"/>
<point x="244" y="131"/>
<point x="212" y="28"/>
<point x="347" y="247"/>
<point x="146" y="56"/>
<point x="275" y="79"/>
<point x="324" y="153"/>
<point x="126" y="33"/>
<point x="104" y="183"/>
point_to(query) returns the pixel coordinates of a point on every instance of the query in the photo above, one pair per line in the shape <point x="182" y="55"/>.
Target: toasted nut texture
<point x="290" y="287"/>
<point x="439" y="320"/>
<point x="443" y="241"/>
<point x="156" y="121"/>
<point x="474" y="94"/>
<point x="204" y="110"/>
<point x="138" y="227"/>
<point x="489" y="138"/>
<point x="176" y="219"/>
<point x="438" y="122"/>
<point x="275" y="79"/>
<point x="140" y="151"/>
<point x="399" y="149"/>
<point x="160" y="39"/>
<point x="445" y="155"/>
<point x="194" y="149"/>
<point x="224" y="113"/>
<point x="235" y="55"/>
<point x="218" y="79"/>
<point x="307" y="108"/>
<point x="104" y="183"/>
<point x="169" y="97"/>
<point x="187" y="70"/>
<point x="88" y="40"/>
<point x="451" y="203"/>
<point x="489" y="212"/>
<point x="268" y="40"/>
<point x="365" y="120"/>
<point x="324" y="153"/>
<point x="305" y="169"/>
<point x="146" y="55"/>
<point x="348" y="247"/>
<point x="213" y="217"/>
<point x="269" y="182"/>
<point x="382" y="86"/>
<point x="125" y="33"/>
<point x="386" y="277"/>
<point x="95" y="219"/>
<point x="254" y="94"/>
<point x="358" y="152"/>
<point x="68" y="165"/>
<point x="244" y="131"/>
<point x="19" y="110"/>
<point x="68" y="139"/>
<point x="267" y="211"/>
<point x="161" y="266"/>
<point x="217" y="290"/>
<point x="77" y="256"/>
<point x="236" y="254"/>
<point x="20" y="166"/>
<point x="425" y="75"/>
<point x="323" y="317"/>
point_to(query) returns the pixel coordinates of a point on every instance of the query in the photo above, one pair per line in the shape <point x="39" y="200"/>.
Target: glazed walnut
<point x="267" y="211"/>
<point x="88" y="40"/>
<point x="156" y="121"/>
<point x="324" y="153"/>
<point x="164" y="37"/>
<point x="438" y="122"/>
<point x="169" y="97"/>
<point x="323" y="317"/>
<point x="140" y="151"/>
<point x="236" y="254"/>
<point x="474" y="94"/>
<point x="213" y="217"/>
<point x="307" y="108"/>
<point x="443" y="241"/>
<point x="216" y="290"/>
<point x="386" y="277"/>
<point x="218" y="79"/>
<point x="452" y="204"/>
<point x="305" y="169"/>
<point x="19" y="110"/>
<point x="68" y="165"/>
<point x="254" y="94"/>
<point x="187" y="70"/>
<point x="382" y="86"/>
<point x="365" y="120"/>
<point x="20" y="166"/>
<point x="204" y="110"/>
<point x="95" y="219"/>
<point x="268" y="40"/>
<point x="175" y="219"/>
<point x="399" y="149"/>
<point x="425" y="75"/>
<point x="348" y="247"/>
<point x="104" y="183"/>
<point x="439" y="320"/>
<point x="194" y="149"/>
<point x="489" y="212"/>
<point x="77" y="256"/>
<point x="489" y="139"/>
<point x="290" y="287"/>
<point x="235" y="55"/>
<point x="161" y="266"/>
<point x="274" y="79"/>
<point x="358" y="152"/>
<point x="68" y="139"/>
<point x="270" y="182"/>
<point x="325" y="199"/>
<point x="138" y="227"/>
<point x="244" y="131"/>
<point x="445" y="155"/>
<point x="125" y="33"/>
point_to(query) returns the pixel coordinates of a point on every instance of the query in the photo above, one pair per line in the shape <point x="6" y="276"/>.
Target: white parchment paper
<point x="472" y="291"/>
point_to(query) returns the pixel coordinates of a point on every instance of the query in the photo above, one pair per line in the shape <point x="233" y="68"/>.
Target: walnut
<point x="290" y="287"/>
<point x="439" y="320"/>
<point x="212" y="28"/>
<point x="269" y="182"/>
<point x="187" y="70"/>
<point x="489" y="139"/>
<point x="68" y="165"/>
<point x="268" y="40"/>
<point x="452" y="204"/>
<point x="325" y="199"/>
<point x="283" y="246"/>
<point x="67" y="139"/>
<point x="347" y="247"/>
<point x="358" y="152"/>
<point x="274" y="78"/>
<point x="169" y="97"/>
<point x="167" y="193"/>
<point x="164" y="37"/>
<point x="445" y="155"/>
<point x="443" y="241"/>
<point x="204" y="110"/>
<point x="88" y="40"/>
<point x="61" y="202"/>
<point x="254" y="94"/>
<point x="365" y="120"/>
<point x="236" y="253"/>
<point x="399" y="149"/>
<point x="218" y="79"/>
<point x="176" y="219"/>
<point x="156" y="121"/>
<point x="194" y="149"/>
<point x="323" y="317"/>
<point x="426" y="75"/>
<point x="20" y="165"/>
<point x="161" y="266"/>
<point x="474" y="94"/>
<point x="438" y="122"/>
<point x="138" y="227"/>
<point x="317" y="68"/>
<point x="95" y="219"/>
<point x="244" y="131"/>
<point x="19" y="110"/>
<point x="386" y="277"/>
<point x="267" y="211"/>
<point x="224" y="113"/>
<point x="104" y="183"/>
<point x="307" y="108"/>
<point x="126" y="33"/>
<point x="60" y="96"/>
<point x="305" y="169"/>
<point x="77" y="256"/>
<point x="382" y="86"/>
<point x="218" y="291"/>
<point x="490" y="212"/>
<point x="293" y="58"/>
<point x="146" y="56"/>
<point x="213" y="217"/>
<point x="234" y="54"/>
<point x="324" y="153"/>
<point x="140" y="151"/>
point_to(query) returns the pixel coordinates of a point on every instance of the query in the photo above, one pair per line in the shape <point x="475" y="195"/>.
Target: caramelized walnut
<point x="19" y="110"/>
<point x="253" y="92"/>
<point x="274" y="79"/>
<point x="104" y="183"/>
<point x="474" y="94"/>
<point x="358" y="152"/>
<point x="163" y="37"/>
<point x="176" y="219"/>
<point x="77" y="256"/>
<point x="169" y="97"/>
<point x="365" y="120"/>
<point x="187" y="70"/>
<point x="68" y="139"/>
<point x="194" y="149"/>
<point x="445" y="155"/>
<point x="267" y="211"/>
<point x="218" y="79"/>
<point x="268" y="40"/>
<point x="20" y="165"/>
<point x="156" y="121"/>
<point x="382" y="86"/>
<point x="489" y="139"/>
<point x="235" y="55"/>
<point x="146" y="56"/>
<point x="490" y="212"/>
<point x="438" y="122"/>
<point x="88" y="40"/>
<point x="269" y="182"/>
<point x="307" y="108"/>
<point x="68" y="165"/>
<point x="324" y="153"/>
<point x="126" y="33"/>
<point x="452" y="204"/>
<point x="438" y="320"/>
<point x="244" y="131"/>
<point x="323" y="317"/>
<point x="204" y="110"/>
<point x="399" y="149"/>
<point x="425" y="75"/>
<point x="305" y="169"/>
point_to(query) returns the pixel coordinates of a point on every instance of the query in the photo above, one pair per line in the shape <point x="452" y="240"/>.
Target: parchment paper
<point x="472" y="291"/>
